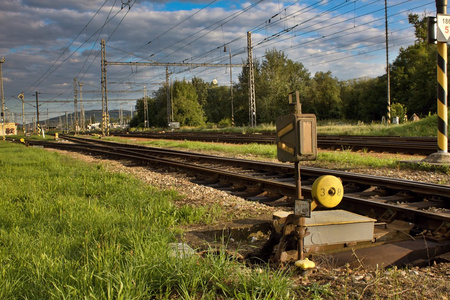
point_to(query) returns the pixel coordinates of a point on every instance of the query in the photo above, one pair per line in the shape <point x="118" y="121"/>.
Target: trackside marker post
<point x="443" y="35"/>
<point x="442" y="38"/>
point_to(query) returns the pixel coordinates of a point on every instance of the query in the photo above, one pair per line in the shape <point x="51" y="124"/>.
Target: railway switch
<point x="292" y="230"/>
<point x="297" y="141"/>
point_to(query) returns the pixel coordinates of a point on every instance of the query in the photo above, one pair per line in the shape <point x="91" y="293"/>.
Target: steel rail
<point x="393" y="144"/>
<point x="420" y="188"/>
<point x="432" y="221"/>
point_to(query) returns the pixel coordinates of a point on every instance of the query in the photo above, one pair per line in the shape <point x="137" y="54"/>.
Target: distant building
<point x="119" y="126"/>
<point x="93" y="126"/>
<point x="414" y="118"/>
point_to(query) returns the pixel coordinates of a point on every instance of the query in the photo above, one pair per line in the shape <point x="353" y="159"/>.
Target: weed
<point x="318" y="291"/>
<point x="73" y="230"/>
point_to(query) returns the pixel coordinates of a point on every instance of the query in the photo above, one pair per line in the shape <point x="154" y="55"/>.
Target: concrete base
<point x="438" y="158"/>
<point x="435" y="159"/>
<point x="330" y="227"/>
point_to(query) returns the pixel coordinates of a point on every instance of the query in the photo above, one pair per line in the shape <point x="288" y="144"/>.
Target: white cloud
<point x="35" y="34"/>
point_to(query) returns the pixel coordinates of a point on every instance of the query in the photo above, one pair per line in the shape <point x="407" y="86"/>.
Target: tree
<point x="420" y="27"/>
<point x="215" y="100"/>
<point x="324" y="99"/>
<point x="186" y="108"/>
<point x="374" y="99"/>
<point x="352" y="94"/>
<point x="275" y="78"/>
<point x="201" y="88"/>
<point x="138" y="119"/>
<point x="279" y="76"/>
<point x="364" y="99"/>
<point x="413" y="78"/>
<point x="413" y="73"/>
<point x="218" y="105"/>
<point x="157" y="108"/>
<point x="399" y="110"/>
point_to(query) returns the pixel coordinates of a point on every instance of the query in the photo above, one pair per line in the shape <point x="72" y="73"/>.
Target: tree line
<point x="197" y="103"/>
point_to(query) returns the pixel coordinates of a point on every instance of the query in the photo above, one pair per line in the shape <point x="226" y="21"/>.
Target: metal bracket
<point x="302" y="208"/>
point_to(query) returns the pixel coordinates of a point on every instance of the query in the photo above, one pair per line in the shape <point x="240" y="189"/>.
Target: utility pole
<point x="82" y="116"/>
<point x="231" y="87"/>
<point x="67" y="123"/>
<point x="251" y="82"/>
<point x="146" y="119"/>
<point x="37" y="107"/>
<point x="2" y="60"/>
<point x="105" y="116"/>
<point x="75" y="104"/>
<point x="388" y="73"/>
<point x="169" y="106"/>
<point x="22" y="97"/>
<point x="121" y="116"/>
<point x="23" y="115"/>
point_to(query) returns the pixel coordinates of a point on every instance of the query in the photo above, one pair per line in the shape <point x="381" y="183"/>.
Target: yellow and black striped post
<point x="441" y="8"/>
<point x="442" y="97"/>
<point x="441" y="156"/>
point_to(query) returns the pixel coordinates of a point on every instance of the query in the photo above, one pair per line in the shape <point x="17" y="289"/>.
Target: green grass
<point x="72" y="230"/>
<point x="216" y="129"/>
<point x="349" y="159"/>
<point x="427" y="126"/>
<point x="344" y="159"/>
<point x="422" y="128"/>
<point x="253" y="149"/>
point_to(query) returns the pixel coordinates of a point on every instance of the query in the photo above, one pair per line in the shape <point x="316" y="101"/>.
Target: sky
<point x="52" y="46"/>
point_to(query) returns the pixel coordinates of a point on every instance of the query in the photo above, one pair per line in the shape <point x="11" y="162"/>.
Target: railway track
<point x="426" y="206"/>
<point x="391" y="144"/>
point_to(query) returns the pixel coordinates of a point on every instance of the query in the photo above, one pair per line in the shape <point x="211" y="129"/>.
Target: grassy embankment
<point x="72" y="230"/>
<point x="424" y="127"/>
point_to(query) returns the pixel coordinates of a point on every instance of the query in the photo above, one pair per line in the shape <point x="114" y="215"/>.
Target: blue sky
<point x="47" y="43"/>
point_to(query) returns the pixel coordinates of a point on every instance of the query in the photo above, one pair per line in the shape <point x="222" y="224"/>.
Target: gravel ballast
<point x="430" y="282"/>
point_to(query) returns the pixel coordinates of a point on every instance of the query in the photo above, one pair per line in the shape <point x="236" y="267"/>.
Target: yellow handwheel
<point x="328" y="191"/>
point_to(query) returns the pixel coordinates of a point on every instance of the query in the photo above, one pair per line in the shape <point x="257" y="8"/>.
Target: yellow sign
<point x="286" y="129"/>
<point x="286" y="148"/>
